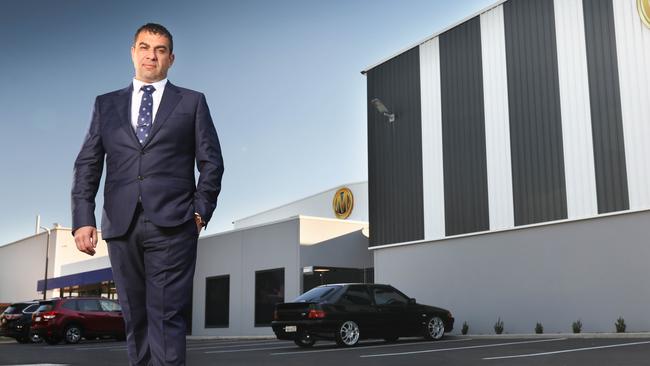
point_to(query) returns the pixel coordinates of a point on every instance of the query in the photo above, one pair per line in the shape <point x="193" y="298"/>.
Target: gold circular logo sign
<point x="343" y="203"/>
<point x="644" y="11"/>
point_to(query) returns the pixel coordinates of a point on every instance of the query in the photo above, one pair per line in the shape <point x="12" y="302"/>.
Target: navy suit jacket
<point x="160" y="174"/>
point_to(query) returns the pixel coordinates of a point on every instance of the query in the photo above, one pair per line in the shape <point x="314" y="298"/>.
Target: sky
<point x="282" y="79"/>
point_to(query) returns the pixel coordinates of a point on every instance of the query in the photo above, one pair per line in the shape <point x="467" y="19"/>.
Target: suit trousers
<point x="153" y="269"/>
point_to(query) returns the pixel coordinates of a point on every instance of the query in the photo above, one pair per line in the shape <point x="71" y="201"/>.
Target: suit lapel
<point x="123" y="105"/>
<point x="171" y="97"/>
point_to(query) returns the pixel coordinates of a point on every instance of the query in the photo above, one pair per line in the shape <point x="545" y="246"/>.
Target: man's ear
<point x="172" y="57"/>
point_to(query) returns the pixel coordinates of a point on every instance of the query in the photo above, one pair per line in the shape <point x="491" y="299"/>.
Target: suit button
<point x="140" y="177"/>
<point x="141" y="152"/>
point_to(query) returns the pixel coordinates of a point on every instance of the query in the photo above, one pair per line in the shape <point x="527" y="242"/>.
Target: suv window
<point x="30" y="309"/>
<point x="88" y="305"/>
<point x="110" y="305"/>
<point x="388" y="296"/>
<point x="15" y="308"/>
<point x="45" y="306"/>
<point x="69" y="304"/>
<point x="356" y="295"/>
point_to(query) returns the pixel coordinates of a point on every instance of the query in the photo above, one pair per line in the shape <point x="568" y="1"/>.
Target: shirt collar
<point x="159" y="85"/>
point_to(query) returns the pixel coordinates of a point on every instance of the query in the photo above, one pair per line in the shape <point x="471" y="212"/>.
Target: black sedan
<point x="347" y="313"/>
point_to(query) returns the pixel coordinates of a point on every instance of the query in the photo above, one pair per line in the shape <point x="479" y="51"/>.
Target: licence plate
<point x="37" y="319"/>
<point x="291" y="329"/>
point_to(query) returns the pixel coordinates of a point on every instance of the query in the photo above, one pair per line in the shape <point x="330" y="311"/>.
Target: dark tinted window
<point x="356" y="295"/>
<point x="70" y="304"/>
<point x="30" y="309"/>
<point x="108" y="305"/>
<point x="317" y="294"/>
<point x="217" y="301"/>
<point x="15" y="308"/>
<point x="269" y="290"/>
<point x="388" y="296"/>
<point x="88" y="305"/>
<point x="45" y="306"/>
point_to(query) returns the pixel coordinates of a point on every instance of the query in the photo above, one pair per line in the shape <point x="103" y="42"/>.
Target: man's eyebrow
<point x="143" y="44"/>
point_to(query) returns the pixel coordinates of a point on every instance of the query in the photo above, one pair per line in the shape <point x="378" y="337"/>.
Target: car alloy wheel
<point x="34" y="338"/>
<point x="435" y="328"/>
<point x="72" y="334"/>
<point x="304" y="340"/>
<point x="348" y="334"/>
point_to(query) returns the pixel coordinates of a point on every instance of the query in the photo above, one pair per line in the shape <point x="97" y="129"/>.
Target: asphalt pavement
<point x="552" y="349"/>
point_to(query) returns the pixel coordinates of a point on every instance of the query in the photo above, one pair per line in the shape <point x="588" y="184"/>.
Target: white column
<point x="633" y="49"/>
<point x="432" y="168"/>
<point x="497" y="122"/>
<point x="579" y="168"/>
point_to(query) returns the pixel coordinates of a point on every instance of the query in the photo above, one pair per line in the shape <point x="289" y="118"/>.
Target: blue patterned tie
<point x="145" y="115"/>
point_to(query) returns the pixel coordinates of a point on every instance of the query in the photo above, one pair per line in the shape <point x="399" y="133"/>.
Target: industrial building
<point x="508" y="172"/>
<point x="241" y="274"/>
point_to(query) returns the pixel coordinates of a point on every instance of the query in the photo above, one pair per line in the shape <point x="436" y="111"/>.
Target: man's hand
<point x="199" y="224"/>
<point x="86" y="239"/>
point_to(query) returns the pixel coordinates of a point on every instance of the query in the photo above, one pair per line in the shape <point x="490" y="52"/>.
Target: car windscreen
<point x="317" y="294"/>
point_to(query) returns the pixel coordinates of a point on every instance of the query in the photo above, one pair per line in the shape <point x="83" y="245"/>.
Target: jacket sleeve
<point x="87" y="173"/>
<point x="208" y="161"/>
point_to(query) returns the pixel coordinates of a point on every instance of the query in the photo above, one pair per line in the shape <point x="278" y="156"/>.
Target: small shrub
<point x="620" y="325"/>
<point x="465" y="328"/>
<point x="498" y="326"/>
<point x="577" y="326"/>
<point x="539" y="329"/>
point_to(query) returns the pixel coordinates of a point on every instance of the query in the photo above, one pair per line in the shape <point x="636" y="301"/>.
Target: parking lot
<point x="548" y="350"/>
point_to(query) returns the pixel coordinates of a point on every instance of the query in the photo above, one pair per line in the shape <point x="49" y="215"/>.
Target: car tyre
<point x="72" y="334"/>
<point x="304" y="340"/>
<point x="347" y="334"/>
<point x="434" y="329"/>
<point x="34" y="338"/>
<point x="22" y="340"/>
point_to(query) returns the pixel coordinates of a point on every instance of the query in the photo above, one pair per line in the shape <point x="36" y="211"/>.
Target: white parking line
<point x="567" y="351"/>
<point x="96" y="348"/>
<point x="366" y="347"/>
<point x="461" y="348"/>
<point x="245" y="350"/>
<point x="214" y="346"/>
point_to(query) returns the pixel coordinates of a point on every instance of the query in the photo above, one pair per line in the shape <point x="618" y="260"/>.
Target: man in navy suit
<point x="150" y="134"/>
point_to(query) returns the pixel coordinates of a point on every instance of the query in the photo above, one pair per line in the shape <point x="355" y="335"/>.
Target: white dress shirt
<point x="136" y="99"/>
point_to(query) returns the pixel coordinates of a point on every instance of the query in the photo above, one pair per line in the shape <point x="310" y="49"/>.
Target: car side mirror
<point x="412" y="301"/>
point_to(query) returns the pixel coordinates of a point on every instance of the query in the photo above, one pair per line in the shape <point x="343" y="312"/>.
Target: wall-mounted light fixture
<point x="381" y="108"/>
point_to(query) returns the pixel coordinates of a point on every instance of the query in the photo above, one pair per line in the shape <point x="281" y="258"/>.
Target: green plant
<point x="620" y="325"/>
<point x="498" y="326"/>
<point x="465" y="328"/>
<point x="577" y="326"/>
<point x="539" y="329"/>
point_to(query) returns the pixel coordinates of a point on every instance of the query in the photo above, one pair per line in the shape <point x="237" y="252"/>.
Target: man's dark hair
<point x="155" y="29"/>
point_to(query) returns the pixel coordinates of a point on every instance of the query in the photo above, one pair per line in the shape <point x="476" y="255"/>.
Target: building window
<point x="269" y="290"/>
<point x="217" y="301"/>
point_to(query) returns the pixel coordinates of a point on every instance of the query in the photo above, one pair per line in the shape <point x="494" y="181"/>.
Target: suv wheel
<point x="347" y="334"/>
<point x="34" y="338"/>
<point x="72" y="334"/>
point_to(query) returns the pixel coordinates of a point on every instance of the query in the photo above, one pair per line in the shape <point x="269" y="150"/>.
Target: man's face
<point x="151" y="57"/>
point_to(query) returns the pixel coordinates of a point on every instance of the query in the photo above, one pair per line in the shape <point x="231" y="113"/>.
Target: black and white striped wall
<point x="532" y="111"/>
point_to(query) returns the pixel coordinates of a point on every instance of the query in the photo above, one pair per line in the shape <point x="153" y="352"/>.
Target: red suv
<point x="72" y="318"/>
